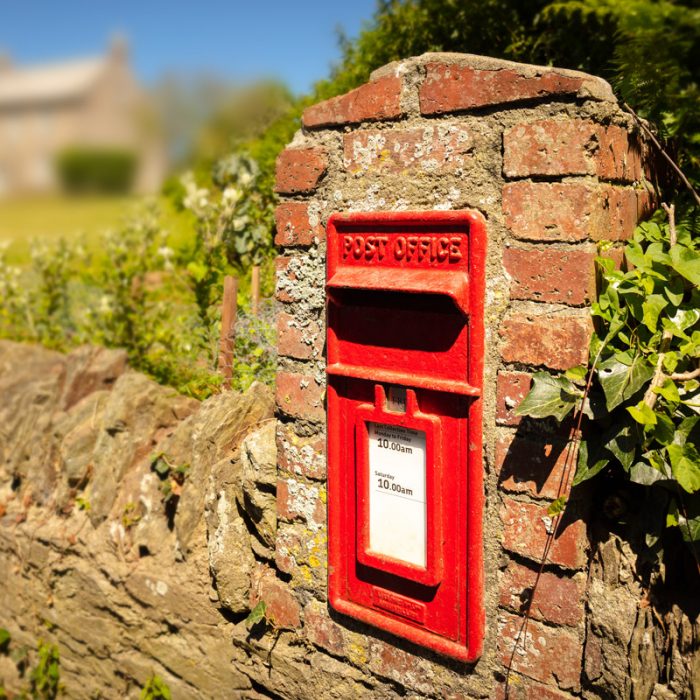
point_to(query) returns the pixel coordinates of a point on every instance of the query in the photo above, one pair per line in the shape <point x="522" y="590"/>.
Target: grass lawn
<point x="51" y="218"/>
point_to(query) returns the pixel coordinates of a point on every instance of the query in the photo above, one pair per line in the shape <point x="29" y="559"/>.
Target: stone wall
<point x="554" y="165"/>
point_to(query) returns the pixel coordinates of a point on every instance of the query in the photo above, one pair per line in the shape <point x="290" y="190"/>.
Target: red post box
<point x="405" y="352"/>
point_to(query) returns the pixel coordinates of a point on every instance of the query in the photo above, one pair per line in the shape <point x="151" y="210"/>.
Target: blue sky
<point x="239" y="39"/>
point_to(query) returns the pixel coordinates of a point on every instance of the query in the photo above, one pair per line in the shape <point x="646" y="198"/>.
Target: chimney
<point x="5" y="62"/>
<point x="119" y="47"/>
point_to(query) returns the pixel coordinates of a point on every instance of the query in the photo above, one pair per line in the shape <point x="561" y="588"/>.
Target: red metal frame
<point x="431" y="575"/>
<point x="441" y="256"/>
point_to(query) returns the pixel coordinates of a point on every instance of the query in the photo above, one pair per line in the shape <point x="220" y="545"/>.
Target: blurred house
<point x="89" y="104"/>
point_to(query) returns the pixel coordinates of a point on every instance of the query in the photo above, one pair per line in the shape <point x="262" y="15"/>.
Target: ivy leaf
<point x="674" y="291"/>
<point x="256" y="615"/>
<point x="684" y="430"/>
<point x="686" y="263"/>
<point x="623" y="445"/>
<point x="549" y="396"/>
<point x="577" y="374"/>
<point x="557" y="506"/>
<point x="690" y="528"/>
<point x="635" y="255"/>
<point x="669" y="391"/>
<point x="664" y="431"/>
<point x="646" y="475"/>
<point x="620" y="379"/>
<point x="587" y="467"/>
<point x="652" y="306"/>
<point x="685" y="318"/>
<point x="642" y="414"/>
<point x="685" y="463"/>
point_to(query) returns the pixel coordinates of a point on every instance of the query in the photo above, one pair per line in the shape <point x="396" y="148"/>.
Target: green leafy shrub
<point x="44" y="679"/>
<point x="96" y="170"/>
<point x="163" y="305"/>
<point x="641" y="405"/>
<point x="155" y="689"/>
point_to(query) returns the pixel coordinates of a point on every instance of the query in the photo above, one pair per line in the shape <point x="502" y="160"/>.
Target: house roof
<point x="48" y="83"/>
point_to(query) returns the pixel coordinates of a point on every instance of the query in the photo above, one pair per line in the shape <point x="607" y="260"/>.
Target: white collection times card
<point x="397" y="511"/>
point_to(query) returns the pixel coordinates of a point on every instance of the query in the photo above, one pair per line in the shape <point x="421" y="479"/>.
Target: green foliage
<point x="95" y="170"/>
<point x="5" y="639"/>
<point x="172" y="476"/>
<point x="643" y="408"/>
<point x="155" y="689"/>
<point x="257" y="615"/>
<point x="161" y="304"/>
<point x="44" y="679"/>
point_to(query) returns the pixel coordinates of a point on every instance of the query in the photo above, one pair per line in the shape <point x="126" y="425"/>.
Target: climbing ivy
<point x="637" y="403"/>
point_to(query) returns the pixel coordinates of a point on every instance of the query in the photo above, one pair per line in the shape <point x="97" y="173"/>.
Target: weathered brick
<point x="511" y="388"/>
<point x="522" y="688"/>
<point x="293" y="340"/>
<point x="303" y="456"/>
<point x="297" y="500"/>
<point x="280" y="604"/>
<point x="323" y="632"/>
<point x="558" y="342"/>
<point x="551" y="655"/>
<point x="299" y="395"/>
<point x="374" y="101"/>
<point x="449" y="88"/>
<point x="407" y="669"/>
<point x="532" y="466"/>
<point x="556" y="276"/>
<point x="526" y="527"/>
<point x="570" y="211"/>
<point x="296" y="226"/>
<point x="570" y="147"/>
<point x="441" y="148"/>
<point x="299" y="170"/>
<point x="558" y="599"/>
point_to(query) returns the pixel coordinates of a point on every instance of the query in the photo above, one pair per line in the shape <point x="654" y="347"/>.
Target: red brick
<point x="374" y="101"/>
<point x="296" y="227"/>
<point x="558" y="600"/>
<point x="558" y="342"/>
<point x="511" y="388"/>
<point x="521" y="688"/>
<point x="299" y="170"/>
<point x="299" y="501"/>
<point x="551" y="655"/>
<point x="302" y="343"/>
<point x="551" y="275"/>
<point x="281" y="607"/>
<point x="525" y="533"/>
<point x="407" y="669"/>
<point x="299" y="395"/>
<point x="303" y="456"/>
<point x="569" y="147"/>
<point x="535" y="467"/>
<point x="450" y="87"/>
<point x="570" y="211"/>
<point x="322" y="631"/>
<point x="441" y="148"/>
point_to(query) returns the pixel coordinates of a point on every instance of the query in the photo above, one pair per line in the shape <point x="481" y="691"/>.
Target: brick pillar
<point x="552" y="162"/>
